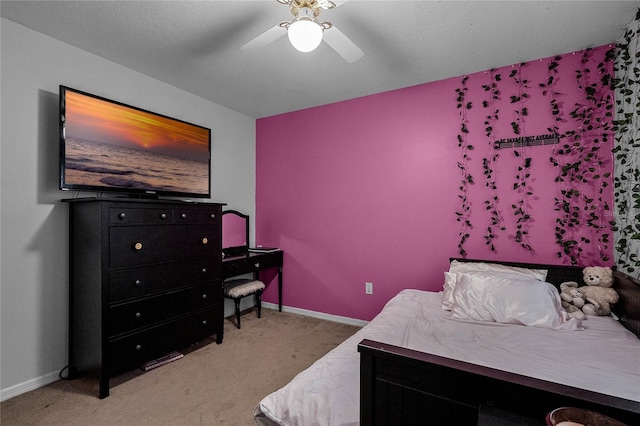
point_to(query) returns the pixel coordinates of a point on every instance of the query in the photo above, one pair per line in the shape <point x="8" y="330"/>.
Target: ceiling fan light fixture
<point x="305" y="33"/>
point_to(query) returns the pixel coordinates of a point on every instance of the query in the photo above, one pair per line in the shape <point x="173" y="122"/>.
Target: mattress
<point x="604" y="358"/>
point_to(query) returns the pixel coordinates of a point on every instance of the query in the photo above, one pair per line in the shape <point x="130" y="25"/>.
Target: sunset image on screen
<point x="113" y="145"/>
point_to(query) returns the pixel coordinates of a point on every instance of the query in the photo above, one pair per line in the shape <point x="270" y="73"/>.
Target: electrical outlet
<point x="368" y="288"/>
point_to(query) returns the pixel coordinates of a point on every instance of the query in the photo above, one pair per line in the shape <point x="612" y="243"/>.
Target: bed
<point x="416" y="364"/>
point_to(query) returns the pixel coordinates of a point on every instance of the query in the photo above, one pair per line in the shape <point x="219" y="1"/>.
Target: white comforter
<point x="605" y="358"/>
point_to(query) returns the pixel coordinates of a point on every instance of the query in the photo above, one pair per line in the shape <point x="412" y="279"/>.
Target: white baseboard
<point x="314" y="314"/>
<point x="29" y="385"/>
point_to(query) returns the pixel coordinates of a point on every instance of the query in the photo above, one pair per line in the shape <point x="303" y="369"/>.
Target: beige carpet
<point x="213" y="385"/>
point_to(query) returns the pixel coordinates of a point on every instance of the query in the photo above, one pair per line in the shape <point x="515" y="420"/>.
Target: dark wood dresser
<point x="145" y="280"/>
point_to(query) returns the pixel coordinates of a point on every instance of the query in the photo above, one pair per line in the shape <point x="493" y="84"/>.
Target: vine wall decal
<point x="464" y="213"/>
<point x="582" y="226"/>
<point x="522" y="183"/>
<point x="489" y="162"/>
<point x="565" y="223"/>
<point x="573" y="106"/>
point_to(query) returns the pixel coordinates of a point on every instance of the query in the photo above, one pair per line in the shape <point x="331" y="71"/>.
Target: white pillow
<point x="457" y="267"/>
<point x="510" y="300"/>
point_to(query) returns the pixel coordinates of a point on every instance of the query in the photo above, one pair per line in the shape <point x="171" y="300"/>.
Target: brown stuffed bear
<point x="572" y="300"/>
<point x="598" y="292"/>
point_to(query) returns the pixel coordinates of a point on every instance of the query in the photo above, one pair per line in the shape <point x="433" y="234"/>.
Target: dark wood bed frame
<point x="400" y="386"/>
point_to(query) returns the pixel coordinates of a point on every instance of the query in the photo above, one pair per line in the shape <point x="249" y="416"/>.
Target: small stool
<point x="237" y="289"/>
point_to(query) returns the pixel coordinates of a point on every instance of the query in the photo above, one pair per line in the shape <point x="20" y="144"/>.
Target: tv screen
<point x="108" y="146"/>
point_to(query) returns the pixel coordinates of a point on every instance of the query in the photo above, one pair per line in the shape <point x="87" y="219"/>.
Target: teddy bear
<point x="572" y="300"/>
<point x="598" y="292"/>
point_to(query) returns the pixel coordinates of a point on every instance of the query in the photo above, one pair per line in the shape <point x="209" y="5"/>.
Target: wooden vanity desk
<point x="250" y="262"/>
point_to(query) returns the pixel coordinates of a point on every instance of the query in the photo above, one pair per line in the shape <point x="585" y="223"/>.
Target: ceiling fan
<point x="306" y="32"/>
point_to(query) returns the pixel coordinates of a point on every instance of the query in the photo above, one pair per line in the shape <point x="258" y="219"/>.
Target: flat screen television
<point x="108" y="146"/>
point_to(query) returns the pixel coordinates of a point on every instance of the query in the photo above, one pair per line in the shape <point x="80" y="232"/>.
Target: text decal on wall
<point x="548" y="139"/>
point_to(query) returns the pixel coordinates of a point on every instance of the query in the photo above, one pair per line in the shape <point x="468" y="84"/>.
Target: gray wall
<point x="33" y="221"/>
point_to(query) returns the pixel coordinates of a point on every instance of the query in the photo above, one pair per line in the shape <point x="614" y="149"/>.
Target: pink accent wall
<point x="366" y="190"/>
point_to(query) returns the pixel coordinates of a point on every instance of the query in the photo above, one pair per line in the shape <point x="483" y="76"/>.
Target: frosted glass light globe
<point x="305" y="35"/>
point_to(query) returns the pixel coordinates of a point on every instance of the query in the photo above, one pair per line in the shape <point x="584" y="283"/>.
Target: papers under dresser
<point x="145" y="280"/>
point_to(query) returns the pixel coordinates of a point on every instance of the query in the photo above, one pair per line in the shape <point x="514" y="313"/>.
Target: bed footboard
<point x="403" y="386"/>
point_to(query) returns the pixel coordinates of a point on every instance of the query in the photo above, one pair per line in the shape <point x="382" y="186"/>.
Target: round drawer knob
<point x="204" y="322"/>
<point x="138" y="282"/>
<point x="163" y="216"/>
<point x="137" y="246"/>
<point x="213" y="215"/>
<point x="257" y="265"/>
<point x="138" y="347"/>
<point x="204" y="270"/>
<point x="204" y="295"/>
<point x="183" y="215"/>
<point x="138" y="314"/>
<point x="121" y="216"/>
<point x="205" y="240"/>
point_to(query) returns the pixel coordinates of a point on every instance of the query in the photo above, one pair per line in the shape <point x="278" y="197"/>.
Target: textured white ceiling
<point x="195" y="45"/>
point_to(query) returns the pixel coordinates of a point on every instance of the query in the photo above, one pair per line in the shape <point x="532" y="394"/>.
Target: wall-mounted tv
<point x="108" y="146"/>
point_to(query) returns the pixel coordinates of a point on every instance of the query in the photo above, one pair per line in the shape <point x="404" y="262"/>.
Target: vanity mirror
<point x="235" y="233"/>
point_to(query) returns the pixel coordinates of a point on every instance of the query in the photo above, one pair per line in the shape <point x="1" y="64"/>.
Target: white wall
<point x="33" y="221"/>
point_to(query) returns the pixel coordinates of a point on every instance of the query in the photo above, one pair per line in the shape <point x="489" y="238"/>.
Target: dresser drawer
<point x="139" y="245"/>
<point x="135" y="349"/>
<point x="140" y="216"/>
<point x="252" y="263"/>
<point x="143" y="281"/>
<point x="266" y="260"/>
<point x="186" y="215"/>
<point x="126" y="317"/>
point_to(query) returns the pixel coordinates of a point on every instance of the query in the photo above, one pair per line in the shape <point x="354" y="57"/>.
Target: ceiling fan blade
<point x="339" y="2"/>
<point x="272" y="34"/>
<point x="341" y="44"/>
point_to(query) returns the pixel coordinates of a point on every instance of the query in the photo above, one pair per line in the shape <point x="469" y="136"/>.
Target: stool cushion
<point x="241" y="288"/>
